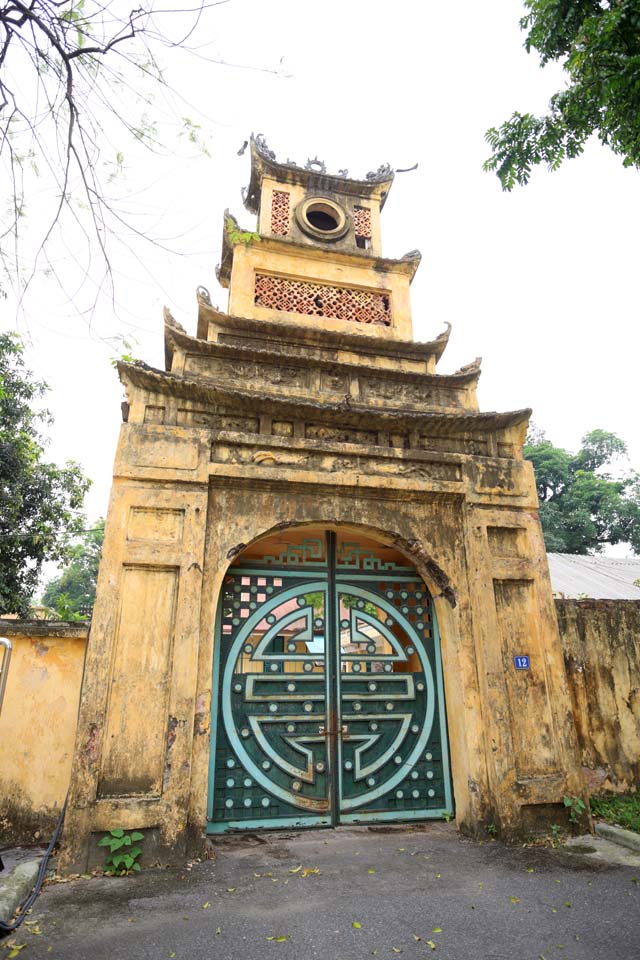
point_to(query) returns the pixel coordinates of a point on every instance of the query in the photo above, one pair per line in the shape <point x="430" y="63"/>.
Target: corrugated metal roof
<point x="597" y="577"/>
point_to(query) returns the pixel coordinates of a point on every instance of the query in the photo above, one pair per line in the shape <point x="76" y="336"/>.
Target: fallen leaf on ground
<point x="231" y="889"/>
<point x="205" y="906"/>
<point x="438" y="875"/>
<point x="309" y="870"/>
<point x="567" y="903"/>
<point x="416" y="937"/>
<point x="296" y="869"/>
<point x="218" y="931"/>
<point x="530" y="870"/>
<point x="431" y="944"/>
<point x="437" y="930"/>
<point x="515" y="899"/>
<point x="396" y="950"/>
<point x="281" y="938"/>
<point x="356" y="925"/>
<point x="370" y="871"/>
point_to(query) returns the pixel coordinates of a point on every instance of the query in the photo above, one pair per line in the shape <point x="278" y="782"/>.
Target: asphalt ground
<point x="349" y="894"/>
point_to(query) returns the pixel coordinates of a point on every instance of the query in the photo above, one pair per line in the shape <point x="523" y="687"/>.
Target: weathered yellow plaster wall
<point x="298" y="263"/>
<point x="297" y="193"/>
<point x="38" y="724"/>
<point x="601" y="641"/>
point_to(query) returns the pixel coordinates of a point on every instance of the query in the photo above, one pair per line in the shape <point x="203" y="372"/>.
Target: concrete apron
<point x="352" y="893"/>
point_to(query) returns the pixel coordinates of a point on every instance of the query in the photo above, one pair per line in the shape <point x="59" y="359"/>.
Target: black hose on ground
<point x="24" y="907"/>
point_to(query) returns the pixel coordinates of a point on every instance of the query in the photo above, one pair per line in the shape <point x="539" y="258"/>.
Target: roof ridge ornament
<point x="263" y="147"/>
<point x="318" y="166"/>
<point x="383" y="173"/>
<point x="315" y="165"/>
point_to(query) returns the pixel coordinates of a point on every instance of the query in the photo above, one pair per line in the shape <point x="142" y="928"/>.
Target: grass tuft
<point x="622" y="809"/>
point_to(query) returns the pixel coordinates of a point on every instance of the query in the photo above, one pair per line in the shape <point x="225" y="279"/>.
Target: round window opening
<point x="322" y="219"/>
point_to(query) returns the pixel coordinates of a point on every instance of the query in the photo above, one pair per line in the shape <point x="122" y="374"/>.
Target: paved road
<point x="410" y="891"/>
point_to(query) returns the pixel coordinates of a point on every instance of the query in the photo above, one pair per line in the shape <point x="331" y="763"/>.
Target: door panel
<point x="271" y="760"/>
<point x="330" y="704"/>
<point x="390" y="749"/>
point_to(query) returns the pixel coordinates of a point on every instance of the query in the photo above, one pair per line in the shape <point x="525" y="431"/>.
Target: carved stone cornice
<point x="348" y="413"/>
<point x="287" y="333"/>
<point x="177" y="339"/>
<point x="407" y="265"/>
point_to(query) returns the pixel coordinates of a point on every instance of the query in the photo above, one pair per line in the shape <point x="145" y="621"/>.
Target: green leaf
<point x="356" y="925"/>
<point x="117" y="833"/>
<point x="136" y="835"/>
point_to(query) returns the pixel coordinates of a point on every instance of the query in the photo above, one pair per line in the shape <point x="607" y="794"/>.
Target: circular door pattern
<point x="274" y="694"/>
<point x="329" y="704"/>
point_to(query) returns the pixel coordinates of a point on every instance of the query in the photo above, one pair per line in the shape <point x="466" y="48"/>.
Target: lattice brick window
<point x="362" y="222"/>
<point x="319" y="300"/>
<point x="280" y="213"/>
<point x="362" y="227"/>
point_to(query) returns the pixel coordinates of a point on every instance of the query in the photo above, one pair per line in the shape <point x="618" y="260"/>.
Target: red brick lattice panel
<point x="280" y="213"/>
<point x="362" y="222"/>
<point x="319" y="300"/>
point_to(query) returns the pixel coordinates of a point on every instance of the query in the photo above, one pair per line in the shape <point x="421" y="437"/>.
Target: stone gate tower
<point x="324" y="595"/>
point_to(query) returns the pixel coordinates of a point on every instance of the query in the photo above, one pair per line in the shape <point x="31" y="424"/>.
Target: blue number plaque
<point x="522" y="663"/>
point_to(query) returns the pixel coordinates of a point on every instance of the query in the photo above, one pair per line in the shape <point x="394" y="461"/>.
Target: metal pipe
<point x="4" y="666"/>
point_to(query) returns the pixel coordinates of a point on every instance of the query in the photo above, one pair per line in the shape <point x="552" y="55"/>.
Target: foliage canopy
<point x="582" y="505"/>
<point x="74" y="591"/>
<point x="598" y="44"/>
<point x="39" y="501"/>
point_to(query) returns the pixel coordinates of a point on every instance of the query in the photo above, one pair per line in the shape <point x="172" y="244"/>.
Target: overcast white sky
<point x="542" y="283"/>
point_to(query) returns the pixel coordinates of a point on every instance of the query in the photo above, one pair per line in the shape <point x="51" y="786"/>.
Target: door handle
<point x="322" y="729"/>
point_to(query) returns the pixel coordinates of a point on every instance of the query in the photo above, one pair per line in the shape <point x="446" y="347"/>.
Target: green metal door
<point x="330" y="705"/>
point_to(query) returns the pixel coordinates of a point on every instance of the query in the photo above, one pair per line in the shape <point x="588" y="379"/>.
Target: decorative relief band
<point x="280" y="213"/>
<point x="362" y="222"/>
<point x="320" y="300"/>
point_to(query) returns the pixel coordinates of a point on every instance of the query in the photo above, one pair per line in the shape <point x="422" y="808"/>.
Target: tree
<point x="39" y="501"/>
<point x="598" y="44"/>
<point x="77" y="86"/>
<point x="582" y="506"/>
<point x="74" y="591"/>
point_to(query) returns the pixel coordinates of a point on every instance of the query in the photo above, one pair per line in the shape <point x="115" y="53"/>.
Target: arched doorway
<point x="328" y="700"/>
